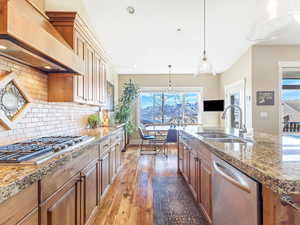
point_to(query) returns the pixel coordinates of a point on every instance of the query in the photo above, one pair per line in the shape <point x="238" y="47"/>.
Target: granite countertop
<point x="272" y="160"/>
<point x="15" y="178"/>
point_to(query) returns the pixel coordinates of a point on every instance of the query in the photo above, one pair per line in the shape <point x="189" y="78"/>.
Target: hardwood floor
<point x="130" y="198"/>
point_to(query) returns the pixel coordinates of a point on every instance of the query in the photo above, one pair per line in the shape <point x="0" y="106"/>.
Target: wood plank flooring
<point x="130" y="198"/>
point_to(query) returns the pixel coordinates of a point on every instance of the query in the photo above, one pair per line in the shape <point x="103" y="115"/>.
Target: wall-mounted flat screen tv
<point x="213" y="106"/>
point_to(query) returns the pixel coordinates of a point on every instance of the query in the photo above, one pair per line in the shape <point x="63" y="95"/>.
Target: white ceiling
<point x="148" y="41"/>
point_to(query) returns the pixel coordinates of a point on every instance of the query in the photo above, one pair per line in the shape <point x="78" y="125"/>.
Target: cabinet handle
<point x="287" y="200"/>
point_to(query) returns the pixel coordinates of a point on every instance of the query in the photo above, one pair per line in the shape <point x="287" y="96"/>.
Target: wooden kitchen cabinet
<point x="112" y="163"/>
<point x="63" y="207"/>
<point x="78" y="82"/>
<point x="206" y="191"/>
<point x="186" y="164"/>
<point x="180" y="157"/>
<point x="105" y="172"/>
<point x="90" y="190"/>
<point x="21" y="208"/>
<point x="118" y="156"/>
<point x="193" y="173"/>
<point x="87" y="89"/>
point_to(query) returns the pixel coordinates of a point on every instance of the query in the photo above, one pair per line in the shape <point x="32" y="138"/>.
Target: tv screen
<point x="214" y="106"/>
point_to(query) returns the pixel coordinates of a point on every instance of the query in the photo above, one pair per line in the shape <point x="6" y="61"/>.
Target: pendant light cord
<point x="204" y="27"/>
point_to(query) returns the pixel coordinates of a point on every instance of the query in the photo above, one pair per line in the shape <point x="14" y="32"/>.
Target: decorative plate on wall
<point x="13" y="101"/>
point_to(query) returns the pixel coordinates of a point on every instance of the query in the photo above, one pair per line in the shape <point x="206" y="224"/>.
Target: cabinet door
<point x="180" y="157"/>
<point x="79" y="49"/>
<point x="118" y="156"/>
<point x="103" y="82"/>
<point x="186" y="164"/>
<point x="193" y="173"/>
<point x="90" y="191"/>
<point x="97" y="80"/>
<point x="88" y="78"/>
<point x="112" y="163"/>
<point x="105" y="173"/>
<point x="63" y="208"/>
<point x="206" y="189"/>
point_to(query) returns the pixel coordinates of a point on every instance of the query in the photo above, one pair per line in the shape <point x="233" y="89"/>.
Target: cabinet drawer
<point x="19" y="206"/>
<point x="105" y="145"/>
<point x="53" y="182"/>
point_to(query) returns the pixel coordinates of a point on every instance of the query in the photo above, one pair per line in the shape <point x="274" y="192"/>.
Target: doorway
<point x="235" y="95"/>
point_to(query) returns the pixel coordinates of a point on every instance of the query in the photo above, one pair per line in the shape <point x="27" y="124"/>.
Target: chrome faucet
<point x="242" y="127"/>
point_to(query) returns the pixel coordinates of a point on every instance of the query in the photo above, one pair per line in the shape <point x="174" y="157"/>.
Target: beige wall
<point x="259" y="66"/>
<point x="209" y="83"/>
<point x="240" y="70"/>
<point x="266" y="78"/>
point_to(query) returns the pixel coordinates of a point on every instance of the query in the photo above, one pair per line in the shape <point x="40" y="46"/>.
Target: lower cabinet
<point x="69" y="196"/>
<point x="180" y="157"/>
<point x="195" y="166"/>
<point x="63" y="207"/>
<point x="105" y="172"/>
<point x="112" y="163"/>
<point x="194" y="173"/>
<point x="186" y="164"/>
<point x="206" y="191"/>
<point x="90" y="190"/>
<point x="118" y="156"/>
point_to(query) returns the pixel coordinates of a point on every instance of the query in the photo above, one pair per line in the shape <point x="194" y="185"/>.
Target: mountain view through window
<point x="169" y="108"/>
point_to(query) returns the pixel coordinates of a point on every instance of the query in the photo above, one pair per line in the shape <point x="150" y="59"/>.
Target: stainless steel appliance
<point x="38" y="150"/>
<point x="236" y="197"/>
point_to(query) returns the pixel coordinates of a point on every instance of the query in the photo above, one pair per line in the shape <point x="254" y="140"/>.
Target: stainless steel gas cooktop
<point x="37" y="148"/>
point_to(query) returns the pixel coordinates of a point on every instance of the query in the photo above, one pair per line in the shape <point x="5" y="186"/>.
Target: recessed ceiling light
<point x="3" y="47"/>
<point x="130" y="9"/>
<point x="48" y="67"/>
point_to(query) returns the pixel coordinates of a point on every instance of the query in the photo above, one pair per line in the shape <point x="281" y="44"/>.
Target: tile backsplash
<point x="43" y="118"/>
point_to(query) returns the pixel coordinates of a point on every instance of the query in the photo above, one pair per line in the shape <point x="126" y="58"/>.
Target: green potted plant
<point x="94" y="121"/>
<point x="124" y="111"/>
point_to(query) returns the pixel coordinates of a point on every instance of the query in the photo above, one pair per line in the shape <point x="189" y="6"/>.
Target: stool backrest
<point x="141" y="133"/>
<point x="172" y="136"/>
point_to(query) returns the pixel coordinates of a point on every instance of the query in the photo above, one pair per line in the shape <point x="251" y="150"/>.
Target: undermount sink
<point x="229" y="140"/>
<point x="224" y="138"/>
<point x="214" y="135"/>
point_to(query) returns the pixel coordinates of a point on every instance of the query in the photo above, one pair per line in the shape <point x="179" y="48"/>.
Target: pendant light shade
<point x="204" y="67"/>
<point x="273" y="16"/>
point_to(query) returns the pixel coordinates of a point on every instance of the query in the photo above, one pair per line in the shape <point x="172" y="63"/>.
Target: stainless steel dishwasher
<point x="235" y="197"/>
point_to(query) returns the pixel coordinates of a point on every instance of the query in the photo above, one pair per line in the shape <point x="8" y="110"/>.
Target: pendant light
<point x="170" y="88"/>
<point x="273" y="17"/>
<point x="204" y="67"/>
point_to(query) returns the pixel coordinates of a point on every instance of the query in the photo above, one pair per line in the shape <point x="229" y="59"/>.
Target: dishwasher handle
<point x="237" y="180"/>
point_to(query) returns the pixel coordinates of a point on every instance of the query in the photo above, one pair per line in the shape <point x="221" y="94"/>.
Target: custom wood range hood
<point x="27" y="37"/>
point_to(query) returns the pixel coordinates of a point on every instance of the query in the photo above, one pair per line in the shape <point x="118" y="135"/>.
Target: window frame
<point x="174" y="90"/>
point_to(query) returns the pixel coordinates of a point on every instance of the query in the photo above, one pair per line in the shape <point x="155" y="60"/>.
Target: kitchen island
<point x="69" y="183"/>
<point x="271" y="161"/>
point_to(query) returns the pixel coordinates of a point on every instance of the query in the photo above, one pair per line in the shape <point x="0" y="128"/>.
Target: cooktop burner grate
<point x="27" y="150"/>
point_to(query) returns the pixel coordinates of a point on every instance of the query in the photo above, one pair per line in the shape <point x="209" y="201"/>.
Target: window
<point x="291" y="89"/>
<point x="171" y="107"/>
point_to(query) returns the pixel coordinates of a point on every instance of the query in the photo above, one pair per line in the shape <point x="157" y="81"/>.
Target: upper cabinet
<point x="87" y="89"/>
